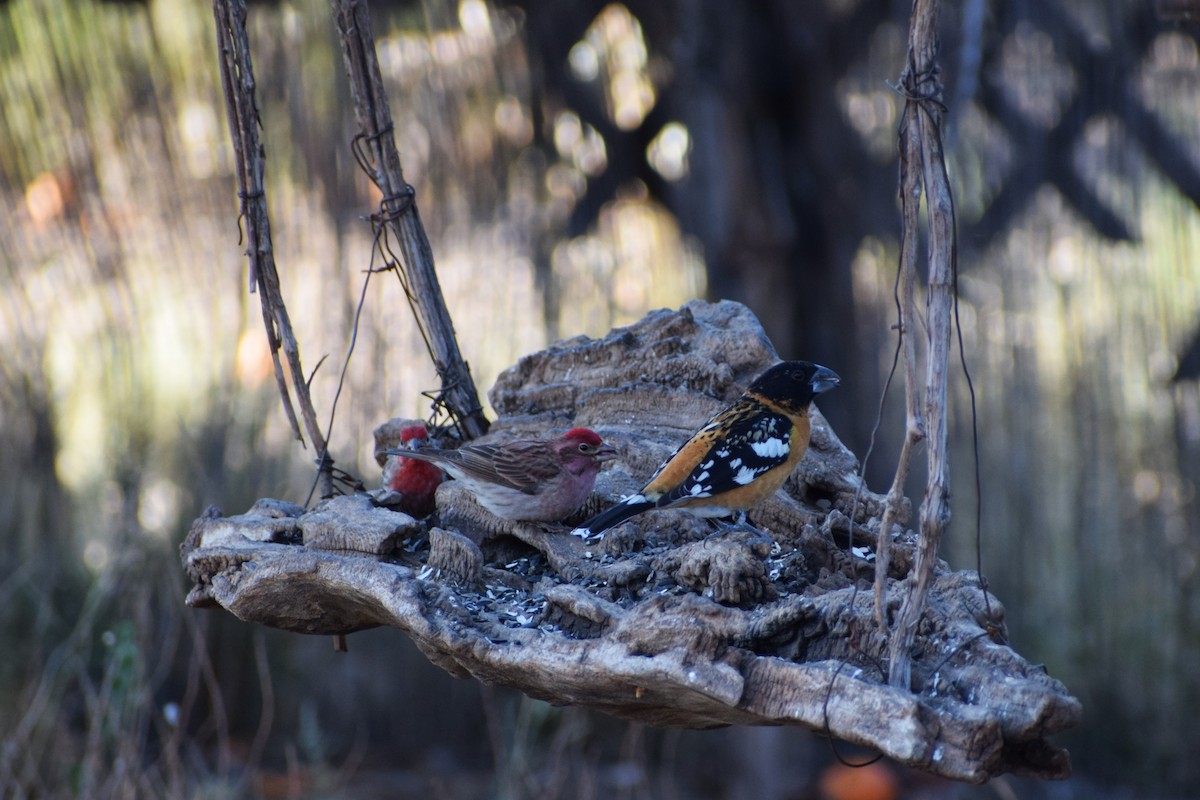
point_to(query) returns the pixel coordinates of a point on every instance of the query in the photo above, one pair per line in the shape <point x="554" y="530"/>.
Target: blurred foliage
<point x="569" y="183"/>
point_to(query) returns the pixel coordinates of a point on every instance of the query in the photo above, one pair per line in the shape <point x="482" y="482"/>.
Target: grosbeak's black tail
<point x="629" y="507"/>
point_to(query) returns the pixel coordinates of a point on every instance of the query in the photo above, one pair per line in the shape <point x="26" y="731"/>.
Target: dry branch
<point x="237" y="79"/>
<point x="914" y="426"/>
<point x="664" y="621"/>
<point x="921" y="144"/>
<point x="399" y="218"/>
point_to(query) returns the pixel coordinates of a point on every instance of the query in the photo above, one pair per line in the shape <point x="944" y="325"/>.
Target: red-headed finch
<point x="527" y="480"/>
<point x="414" y="480"/>
<point x="741" y="456"/>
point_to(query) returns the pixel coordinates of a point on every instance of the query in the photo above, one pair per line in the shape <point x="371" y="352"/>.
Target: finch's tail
<point x="629" y="507"/>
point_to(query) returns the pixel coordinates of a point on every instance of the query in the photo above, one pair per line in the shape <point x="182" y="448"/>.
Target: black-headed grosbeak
<point x="743" y="454"/>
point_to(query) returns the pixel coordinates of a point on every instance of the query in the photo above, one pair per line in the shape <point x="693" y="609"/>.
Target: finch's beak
<point x="605" y="452"/>
<point x="824" y="379"/>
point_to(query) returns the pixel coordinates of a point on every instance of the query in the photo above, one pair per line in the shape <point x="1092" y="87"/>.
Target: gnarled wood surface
<point x="664" y="620"/>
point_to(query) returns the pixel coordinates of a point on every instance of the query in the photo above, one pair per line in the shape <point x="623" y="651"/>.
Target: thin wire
<point x="854" y="513"/>
<point x="322" y="461"/>
<point x="381" y="248"/>
<point x="829" y="733"/>
<point x="994" y="631"/>
<point x="441" y="405"/>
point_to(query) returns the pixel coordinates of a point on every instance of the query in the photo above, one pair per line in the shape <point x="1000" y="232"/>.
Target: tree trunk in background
<point x="780" y="191"/>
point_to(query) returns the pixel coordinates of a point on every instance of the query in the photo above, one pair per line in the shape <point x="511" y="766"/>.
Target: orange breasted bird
<point x="741" y="456"/>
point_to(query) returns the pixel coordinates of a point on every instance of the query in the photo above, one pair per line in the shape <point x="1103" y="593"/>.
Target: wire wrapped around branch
<point x="398" y="218"/>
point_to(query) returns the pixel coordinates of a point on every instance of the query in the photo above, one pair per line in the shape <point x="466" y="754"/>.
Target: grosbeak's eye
<point x="584" y="447"/>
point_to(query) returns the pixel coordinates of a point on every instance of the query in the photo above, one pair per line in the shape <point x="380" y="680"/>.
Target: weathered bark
<point x="664" y="620"/>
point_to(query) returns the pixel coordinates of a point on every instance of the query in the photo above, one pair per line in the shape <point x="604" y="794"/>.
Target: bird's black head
<point x="794" y="384"/>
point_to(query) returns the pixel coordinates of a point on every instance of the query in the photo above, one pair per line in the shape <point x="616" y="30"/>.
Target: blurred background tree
<point x="577" y="164"/>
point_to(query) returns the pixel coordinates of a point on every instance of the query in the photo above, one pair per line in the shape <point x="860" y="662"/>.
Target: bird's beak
<point x="605" y="452"/>
<point x="824" y="379"/>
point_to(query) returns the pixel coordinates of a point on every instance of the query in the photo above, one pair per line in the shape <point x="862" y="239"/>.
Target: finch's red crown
<point x="413" y="432"/>
<point x="585" y="435"/>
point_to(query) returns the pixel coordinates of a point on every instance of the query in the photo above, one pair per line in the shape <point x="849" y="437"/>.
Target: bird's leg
<point x="727" y="524"/>
<point x="739" y="522"/>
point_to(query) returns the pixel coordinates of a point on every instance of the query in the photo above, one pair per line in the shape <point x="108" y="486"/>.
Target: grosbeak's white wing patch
<point x="744" y="475"/>
<point x="771" y="447"/>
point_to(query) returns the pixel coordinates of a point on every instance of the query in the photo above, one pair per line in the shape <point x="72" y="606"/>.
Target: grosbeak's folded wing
<point x="730" y="452"/>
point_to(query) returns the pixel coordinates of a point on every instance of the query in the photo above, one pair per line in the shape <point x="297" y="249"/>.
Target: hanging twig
<point x="921" y="138"/>
<point x="237" y="78"/>
<point x="914" y="432"/>
<point x="398" y="213"/>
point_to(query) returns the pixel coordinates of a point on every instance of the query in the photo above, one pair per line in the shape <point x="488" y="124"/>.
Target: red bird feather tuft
<point x="415" y="481"/>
